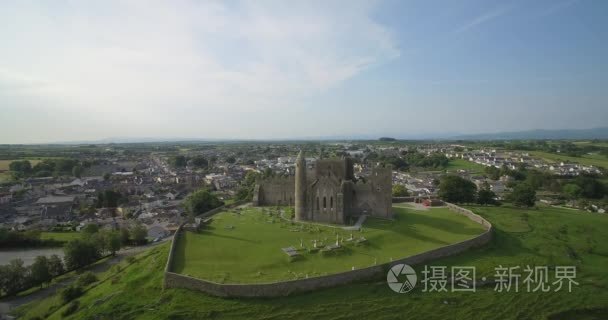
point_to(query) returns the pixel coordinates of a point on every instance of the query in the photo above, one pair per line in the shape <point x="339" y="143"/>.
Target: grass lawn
<point x="545" y="236"/>
<point x="461" y="164"/>
<point x="597" y="160"/>
<point x="217" y="253"/>
<point x="60" y="236"/>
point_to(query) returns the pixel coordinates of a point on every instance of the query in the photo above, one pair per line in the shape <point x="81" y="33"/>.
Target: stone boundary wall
<point x="285" y="288"/>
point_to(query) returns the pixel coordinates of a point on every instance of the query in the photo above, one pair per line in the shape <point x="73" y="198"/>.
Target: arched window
<point x="324" y="202"/>
<point x="317" y="203"/>
<point x="331" y="202"/>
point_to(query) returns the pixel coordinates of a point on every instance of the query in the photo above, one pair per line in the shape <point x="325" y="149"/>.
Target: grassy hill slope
<point x="546" y="236"/>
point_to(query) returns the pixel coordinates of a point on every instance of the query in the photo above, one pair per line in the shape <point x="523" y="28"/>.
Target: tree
<point x="55" y="265"/>
<point x="80" y="252"/>
<point x="113" y="242"/>
<point x="178" y="161"/>
<point x="456" y="189"/>
<point x="486" y="196"/>
<point x="13" y="277"/>
<point x="107" y="241"/>
<point x="40" y="273"/>
<point x="124" y="236"/>
<point x="108" y="199"/>
<point x="77" y="171"/>
<point x="492" y="172"/>
<point x="591" y="187"/>
<point x="200" y="162"/>
<point x="200" y="202"/>
<point x="22" y="167"/>
<point x="523" y="195"/>
<point x="572" y="191"/>
<point x="106" y="176"/>
<point x="399" y="190"/>
<point x="138" y="234"/>
<point x="245" y="191"/>
<point x="90" y="229"/>
<point x="231" y="159"/>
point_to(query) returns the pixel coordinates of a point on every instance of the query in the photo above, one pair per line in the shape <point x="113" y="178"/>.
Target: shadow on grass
<point x="209" y="232"/>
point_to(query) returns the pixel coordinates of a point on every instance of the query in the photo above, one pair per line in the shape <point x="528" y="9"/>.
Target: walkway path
<point x="358" y="224"/>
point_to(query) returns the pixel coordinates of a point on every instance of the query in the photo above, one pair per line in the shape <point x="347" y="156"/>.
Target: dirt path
<point x="7" y="304"/>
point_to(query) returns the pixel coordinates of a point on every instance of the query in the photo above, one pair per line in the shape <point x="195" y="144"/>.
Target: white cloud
<point x="144" y="56"/>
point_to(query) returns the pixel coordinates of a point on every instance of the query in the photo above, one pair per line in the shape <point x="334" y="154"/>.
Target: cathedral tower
<point x="300" y="192"/>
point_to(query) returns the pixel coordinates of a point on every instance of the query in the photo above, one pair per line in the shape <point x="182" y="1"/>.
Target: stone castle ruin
<point x="329" y="191"/>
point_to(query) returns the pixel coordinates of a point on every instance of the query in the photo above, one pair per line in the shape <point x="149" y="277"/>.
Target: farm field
<point x="461" y="164"/>
<point x="543" y="236"/>
<point x="595" y="159"/>
<point x="60" y="236"/>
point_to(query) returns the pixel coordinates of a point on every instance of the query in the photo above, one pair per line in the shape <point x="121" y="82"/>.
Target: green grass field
<point x="217" y="253"/>
<point x="60" y="236"/>
<point x="545" y="236"/>
<point x="461" y="164"/>
<point x="594" y="160"/>
<point x="590" y="143"/>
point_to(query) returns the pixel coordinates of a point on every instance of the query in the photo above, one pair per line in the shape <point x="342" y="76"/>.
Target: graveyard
<point x="261" y="245"/>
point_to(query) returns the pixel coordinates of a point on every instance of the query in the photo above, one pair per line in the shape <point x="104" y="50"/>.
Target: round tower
<point x="300" y="194"/>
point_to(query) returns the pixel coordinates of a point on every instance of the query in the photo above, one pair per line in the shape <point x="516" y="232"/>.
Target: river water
<point x="28" y="255"/>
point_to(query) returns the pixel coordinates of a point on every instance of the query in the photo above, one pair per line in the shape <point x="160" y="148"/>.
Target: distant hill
<point x="594" y="133"/>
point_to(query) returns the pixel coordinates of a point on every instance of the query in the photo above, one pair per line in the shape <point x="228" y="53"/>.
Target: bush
<point x="86" y="279"/>
<point x="70" y="293"/>
<point x="72" y="307"/>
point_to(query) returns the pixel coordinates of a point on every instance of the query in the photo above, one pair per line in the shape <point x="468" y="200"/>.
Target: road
<point x="7" y="304"/>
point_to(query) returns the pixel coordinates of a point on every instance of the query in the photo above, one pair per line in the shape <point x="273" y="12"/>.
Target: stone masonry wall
<point x="285" y="288"/>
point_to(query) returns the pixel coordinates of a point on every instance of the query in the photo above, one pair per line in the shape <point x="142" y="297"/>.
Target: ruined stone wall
<point x="374" y="195"/>
<point x="285" y="288"/>
<point x="332" y="168"/>
<point x="323" y="203"/>
<point x="276" y="191"/>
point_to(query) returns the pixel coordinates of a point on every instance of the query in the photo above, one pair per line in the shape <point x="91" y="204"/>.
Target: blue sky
<point x="74" y="70"/>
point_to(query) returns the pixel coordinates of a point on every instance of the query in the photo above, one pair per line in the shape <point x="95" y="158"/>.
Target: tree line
<point x="25" y="239"/>
<point x="93" y="245"/>
<point x="456" y="189"/>
<point x="48" y="167"/>
<point x="412" y="159"/>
